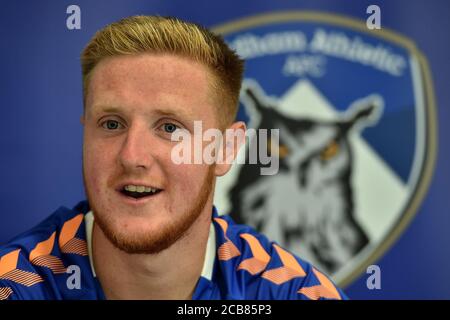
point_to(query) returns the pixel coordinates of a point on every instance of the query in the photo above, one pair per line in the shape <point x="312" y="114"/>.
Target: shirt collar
<point x="210" y="255"/>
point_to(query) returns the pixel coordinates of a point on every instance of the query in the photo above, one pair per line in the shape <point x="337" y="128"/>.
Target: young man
<point x="149" y="229"/>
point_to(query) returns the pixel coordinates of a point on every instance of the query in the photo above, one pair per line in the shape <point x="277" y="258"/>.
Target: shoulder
<point x="31" y="264"/>
<point x="256" y="268"/>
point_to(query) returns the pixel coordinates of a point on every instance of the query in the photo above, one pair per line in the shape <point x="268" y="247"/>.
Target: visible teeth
<point x="134" y="188"/>
<point x="130" y="188"/>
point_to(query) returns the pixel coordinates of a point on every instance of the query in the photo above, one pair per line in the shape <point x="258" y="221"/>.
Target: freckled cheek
<point x="98" y="165"/>
<point x="186" y="178"/>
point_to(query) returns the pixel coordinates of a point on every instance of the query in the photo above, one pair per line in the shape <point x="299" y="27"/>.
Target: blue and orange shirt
<point x="239" y="263"/>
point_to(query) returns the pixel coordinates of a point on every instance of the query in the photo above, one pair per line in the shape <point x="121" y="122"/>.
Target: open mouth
<point x="138" y="192"/>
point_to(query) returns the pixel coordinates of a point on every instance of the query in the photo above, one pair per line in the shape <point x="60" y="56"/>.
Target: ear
<point x="365" y="112"/>
<point x="234" y="139"/>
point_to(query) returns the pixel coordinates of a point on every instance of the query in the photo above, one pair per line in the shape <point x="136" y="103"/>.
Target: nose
<point x="136" y="150"/>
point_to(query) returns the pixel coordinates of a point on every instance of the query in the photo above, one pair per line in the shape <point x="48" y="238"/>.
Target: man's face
<point x="133" y="105"/>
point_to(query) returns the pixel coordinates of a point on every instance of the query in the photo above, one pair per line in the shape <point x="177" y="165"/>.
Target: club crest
<point x="356" y="119"/>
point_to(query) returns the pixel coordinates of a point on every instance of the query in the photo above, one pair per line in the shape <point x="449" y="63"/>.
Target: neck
<point x="170" y="274"/>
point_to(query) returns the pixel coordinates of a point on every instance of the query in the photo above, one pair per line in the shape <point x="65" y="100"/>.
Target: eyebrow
<point x="107" y="109"/>
<point x="172" y="113"/>
<point x="158" y="111"/>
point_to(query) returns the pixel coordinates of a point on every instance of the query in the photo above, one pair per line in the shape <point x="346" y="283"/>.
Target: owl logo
<point x="308" y="205"/>
<point x="356" y="120"/>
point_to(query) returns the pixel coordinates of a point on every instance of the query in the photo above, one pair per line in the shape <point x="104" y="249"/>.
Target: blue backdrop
<point x="41" y="104"/>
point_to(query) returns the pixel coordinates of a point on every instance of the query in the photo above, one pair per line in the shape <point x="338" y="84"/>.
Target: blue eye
<point x="111" y="124"/>
<point x="169" y="127"/>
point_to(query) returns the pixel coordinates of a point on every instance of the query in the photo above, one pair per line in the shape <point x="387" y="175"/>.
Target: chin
<point x="138" y="235"/>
